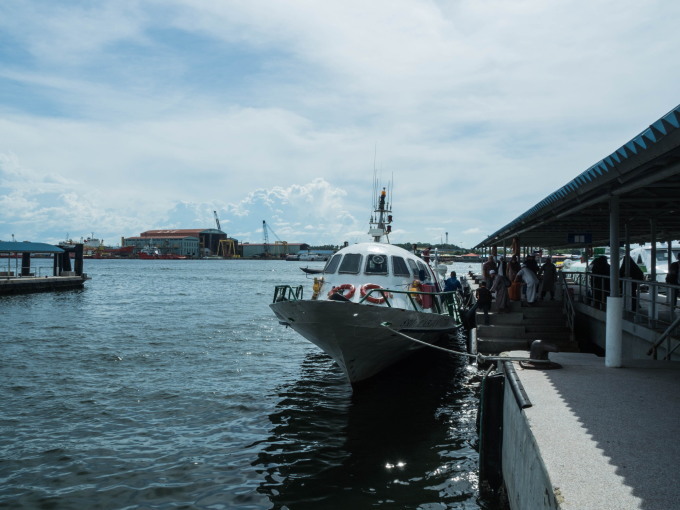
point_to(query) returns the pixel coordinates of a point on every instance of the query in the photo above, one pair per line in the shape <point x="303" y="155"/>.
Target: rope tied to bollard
<point x="481" y="358"/>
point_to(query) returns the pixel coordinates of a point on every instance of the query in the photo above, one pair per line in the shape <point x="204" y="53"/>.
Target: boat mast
<point x="381" y="219"/>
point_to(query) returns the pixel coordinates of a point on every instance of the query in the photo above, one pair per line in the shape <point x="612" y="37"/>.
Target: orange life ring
<point x="377" y="299"/>
<point x="340" y="289"/>
<point x="417" y="286"/>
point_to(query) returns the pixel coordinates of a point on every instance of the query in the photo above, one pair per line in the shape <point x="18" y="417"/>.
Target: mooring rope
<point x="479" y="357"/>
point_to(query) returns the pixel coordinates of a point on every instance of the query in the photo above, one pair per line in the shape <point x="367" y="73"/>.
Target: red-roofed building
<point x="185" y="242"/>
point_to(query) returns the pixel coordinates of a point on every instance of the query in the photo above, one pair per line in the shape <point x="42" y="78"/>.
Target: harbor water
<point x="170" y="384"/>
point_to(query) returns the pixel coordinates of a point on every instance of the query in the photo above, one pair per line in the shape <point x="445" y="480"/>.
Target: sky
<point x="126" y="116"/>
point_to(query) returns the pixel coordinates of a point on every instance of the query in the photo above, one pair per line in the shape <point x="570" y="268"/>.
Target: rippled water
<point x="169" y="384"/>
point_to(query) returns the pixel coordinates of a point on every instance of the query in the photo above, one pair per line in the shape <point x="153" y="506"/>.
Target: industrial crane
<point x="217" y="220"/>
<point x="266" y="228"/>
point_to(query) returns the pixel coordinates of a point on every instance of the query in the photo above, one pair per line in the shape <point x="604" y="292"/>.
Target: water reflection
<point x="406" y="440"/>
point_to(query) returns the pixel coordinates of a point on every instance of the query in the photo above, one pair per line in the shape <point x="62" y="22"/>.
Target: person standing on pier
<point x="452" y="283"/>
<point x="636" y="275"/>
<point x="484" y="299"/>
<point x="502" y="266"/>
<point x="531" y="263"/>
<point x="599" y="280"/>
<point x="489" y="265"/>
<point x="548" y="275"/>
<point x="426" y="254"/>
<point x="515" y="292"/>
<point x="530" y="279"/>
<point x="500" y="288"/>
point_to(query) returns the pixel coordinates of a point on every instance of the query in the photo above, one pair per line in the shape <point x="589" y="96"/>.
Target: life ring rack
<point x="375" y="298"/>
<point x="340" y="289"/>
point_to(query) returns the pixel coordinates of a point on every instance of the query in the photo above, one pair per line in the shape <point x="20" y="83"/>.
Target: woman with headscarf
<point x="501" y="291"/>
<point x="515" y="291"/>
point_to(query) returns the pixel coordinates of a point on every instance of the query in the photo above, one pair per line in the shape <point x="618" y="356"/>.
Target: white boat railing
<point x="443" y="303"/>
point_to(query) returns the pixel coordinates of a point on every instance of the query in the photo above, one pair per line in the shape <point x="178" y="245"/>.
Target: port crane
<point x="226" y="247"/>
<point x="265" y="229"/>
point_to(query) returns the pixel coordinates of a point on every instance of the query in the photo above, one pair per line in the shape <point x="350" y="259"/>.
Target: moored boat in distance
<point x="370" y="297"/>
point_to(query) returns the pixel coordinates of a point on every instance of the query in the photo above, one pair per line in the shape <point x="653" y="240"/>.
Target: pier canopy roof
<point x="28" y="247"/>
<point x="644" y="174"/>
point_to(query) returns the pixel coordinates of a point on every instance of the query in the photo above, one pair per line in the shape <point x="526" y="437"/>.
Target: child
<point x="483" y="300"/>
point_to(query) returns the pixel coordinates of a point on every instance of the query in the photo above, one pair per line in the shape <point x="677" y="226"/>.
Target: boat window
<point x="333" y="264"/>
<point x="350" y="263"/>
<point x="376" y="264"/>
<point x="399" y="267"/>
<point x="414" y="267"/>
<point x="423" y="273"/>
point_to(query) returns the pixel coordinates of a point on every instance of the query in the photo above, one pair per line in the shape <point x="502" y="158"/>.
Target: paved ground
<point x="608" y="436"/>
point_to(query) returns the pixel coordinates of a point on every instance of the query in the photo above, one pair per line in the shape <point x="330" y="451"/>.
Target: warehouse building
<point x="276" y="250"/>
<point x="192" y="243"/>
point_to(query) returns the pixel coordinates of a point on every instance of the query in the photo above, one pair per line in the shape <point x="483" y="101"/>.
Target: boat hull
<point x="354" y="336"/>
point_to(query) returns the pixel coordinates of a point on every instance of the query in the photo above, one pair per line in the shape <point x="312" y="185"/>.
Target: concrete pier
<point x="594" y="437"/>
<point x="28" y="284"/>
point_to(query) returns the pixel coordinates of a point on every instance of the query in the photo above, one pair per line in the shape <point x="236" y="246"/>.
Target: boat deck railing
<point x="443" y="303"/>
<point x="287" y="293"/>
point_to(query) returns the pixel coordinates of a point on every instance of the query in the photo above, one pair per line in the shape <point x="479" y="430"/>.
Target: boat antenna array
<point x="381" y="218"/>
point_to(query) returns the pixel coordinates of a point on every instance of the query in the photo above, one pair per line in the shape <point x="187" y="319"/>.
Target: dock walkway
<point x="586" y="444"/>
<point x="27" y="284"/>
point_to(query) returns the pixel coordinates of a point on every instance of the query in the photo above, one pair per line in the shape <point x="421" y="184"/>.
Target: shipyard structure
<point x="202" y="243"/>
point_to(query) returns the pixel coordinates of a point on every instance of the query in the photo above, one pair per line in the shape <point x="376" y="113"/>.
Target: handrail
<point x="666" y="334"/>
<point x="569" y="309"/>
<point x="287" y="293"/>
<point x="451" y="298"/>
<point x="643" y="302"/>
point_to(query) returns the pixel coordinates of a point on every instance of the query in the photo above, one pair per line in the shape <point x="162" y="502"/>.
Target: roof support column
<point x="652" y="272"/>
<point x="614" y="327"/>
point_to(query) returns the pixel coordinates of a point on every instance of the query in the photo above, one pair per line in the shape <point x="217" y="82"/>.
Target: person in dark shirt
<point x="636" y="275"/>
<point x="484" y="298"/>
<point x="452" y="283"/>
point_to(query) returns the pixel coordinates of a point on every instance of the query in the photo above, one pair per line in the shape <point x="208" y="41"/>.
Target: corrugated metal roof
<point x="644" y="173"/>
<point x="28" y="247"/>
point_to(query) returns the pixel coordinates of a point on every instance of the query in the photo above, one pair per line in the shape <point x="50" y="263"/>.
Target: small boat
<point x="374" y="305"/>
<point x="312" y="270"/>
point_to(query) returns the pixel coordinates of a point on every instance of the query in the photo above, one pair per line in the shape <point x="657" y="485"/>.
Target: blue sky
<point x="120" y="117"/>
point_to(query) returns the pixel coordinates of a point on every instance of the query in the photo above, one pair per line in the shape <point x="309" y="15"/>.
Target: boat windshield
<point x="333" y="264"/>
<point x="351" y="263"/>
<point x="399" y="267"/>
<point x="376" y="264"/>
<point x="414" y="267"/>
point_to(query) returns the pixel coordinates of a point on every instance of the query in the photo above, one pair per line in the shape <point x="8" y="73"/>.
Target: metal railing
<point x="649" y="303"/>
<point x="448" y="303"/>
<point x="568" y="300"/>
<point x="287" y="293"/>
